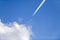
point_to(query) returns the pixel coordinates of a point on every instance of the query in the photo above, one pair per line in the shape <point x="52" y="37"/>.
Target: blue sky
<point x="45" y="24"/>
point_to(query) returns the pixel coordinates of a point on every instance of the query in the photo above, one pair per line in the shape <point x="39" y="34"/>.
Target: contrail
<point x="38" y="7"/>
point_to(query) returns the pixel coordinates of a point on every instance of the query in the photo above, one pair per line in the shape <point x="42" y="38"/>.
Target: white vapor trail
<point x="38" y="7"/>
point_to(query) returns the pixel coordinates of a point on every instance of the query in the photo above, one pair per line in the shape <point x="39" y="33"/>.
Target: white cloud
<point x="20" y="19"/>
<point x="14" y="31"/>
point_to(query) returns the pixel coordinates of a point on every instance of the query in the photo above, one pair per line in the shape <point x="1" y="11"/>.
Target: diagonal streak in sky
<point x="38" y="7"/>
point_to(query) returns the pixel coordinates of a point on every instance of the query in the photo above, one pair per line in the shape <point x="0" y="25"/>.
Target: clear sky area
<point x="45" y="23"/>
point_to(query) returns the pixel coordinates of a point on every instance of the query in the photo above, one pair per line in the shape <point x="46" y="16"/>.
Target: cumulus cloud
<point x="14" y="31"/>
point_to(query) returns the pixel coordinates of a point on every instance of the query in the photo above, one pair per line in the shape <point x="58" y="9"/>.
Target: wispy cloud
<point x="38" y="7"/>
<point x="14" y="31"/>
